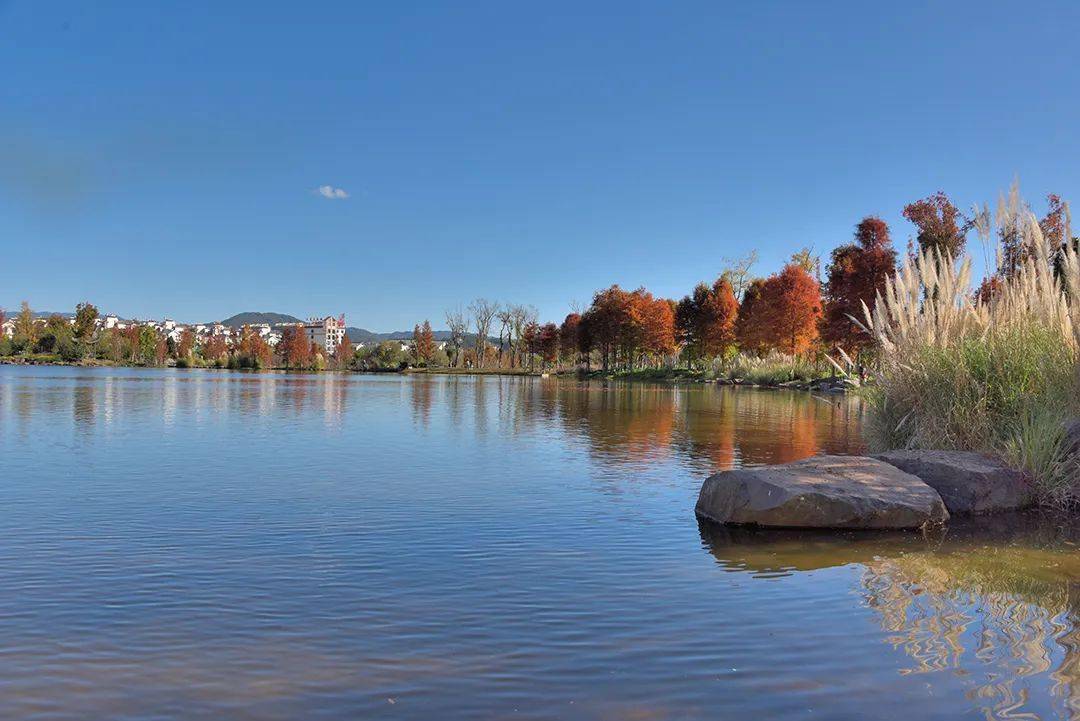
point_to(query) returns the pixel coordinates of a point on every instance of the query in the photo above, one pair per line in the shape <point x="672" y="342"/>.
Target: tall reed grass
<point x="998" y="374"/>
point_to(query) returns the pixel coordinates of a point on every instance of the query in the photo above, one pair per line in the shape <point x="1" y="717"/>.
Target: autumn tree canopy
<point x="705" y="320"/>
<point x="856" y="271"/>
<point x="423" y="343"/>
<point x="940" y="225"/>
<point x="294" y="348"/>
<point x="792" y="309"/>
<point x="568" y="336"/>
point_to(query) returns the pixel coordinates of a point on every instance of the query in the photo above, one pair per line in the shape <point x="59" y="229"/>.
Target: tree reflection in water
<point x="994" y="601"/>
<point x="707" y="427"/>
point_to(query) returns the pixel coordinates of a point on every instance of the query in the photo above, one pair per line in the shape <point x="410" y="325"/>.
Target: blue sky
<point x="164" y="158"/>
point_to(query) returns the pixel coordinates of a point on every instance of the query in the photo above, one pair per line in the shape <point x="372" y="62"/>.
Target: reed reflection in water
<point x="993" y="602"/>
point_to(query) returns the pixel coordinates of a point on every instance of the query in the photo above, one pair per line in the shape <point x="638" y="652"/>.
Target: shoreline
<point x="829" y="384"/>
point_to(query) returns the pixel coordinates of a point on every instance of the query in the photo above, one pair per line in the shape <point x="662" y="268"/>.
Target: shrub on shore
<point x="995" y="371"/>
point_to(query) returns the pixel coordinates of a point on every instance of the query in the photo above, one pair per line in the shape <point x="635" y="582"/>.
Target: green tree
<point x="5" y="342"/>
<point x="86" y="316"/>
<point x="55" y="337"/>
<point x="389" y="355"/>
<point x="148" y="344"/>
<point x="25" y="329"/>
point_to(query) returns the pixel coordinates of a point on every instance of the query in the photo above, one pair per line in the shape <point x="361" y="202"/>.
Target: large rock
<point x="821" y="492"/>
<point x="968" y="482"/>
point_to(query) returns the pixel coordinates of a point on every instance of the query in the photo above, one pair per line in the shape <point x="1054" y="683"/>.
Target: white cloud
<point x="329" y="191"/>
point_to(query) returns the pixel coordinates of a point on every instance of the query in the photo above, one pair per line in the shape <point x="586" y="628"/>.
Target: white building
<point x="326" y="332"/>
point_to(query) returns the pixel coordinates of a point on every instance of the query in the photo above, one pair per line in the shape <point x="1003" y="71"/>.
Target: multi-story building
<point x="326" y="332"/>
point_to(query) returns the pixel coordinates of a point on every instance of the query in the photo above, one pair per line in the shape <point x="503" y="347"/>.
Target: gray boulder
<point x="968" y="482"/>
<point x="821" y="492"/>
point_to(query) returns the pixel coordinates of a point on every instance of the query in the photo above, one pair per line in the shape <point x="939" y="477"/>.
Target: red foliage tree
<point x="215" y="349"/>
<point x="1053" y="223"/>
<point x="989" y="289"/>
<point x="941" y="226"/>
<point x="568" y="336"/>
<point x="161" y="350"/>
<point x="856" y="272"/>
<point x="530" y="338"/>
<point x="547" y="342"/>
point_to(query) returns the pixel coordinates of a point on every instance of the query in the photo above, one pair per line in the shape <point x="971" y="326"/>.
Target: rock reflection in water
<point x="994" y="601"/>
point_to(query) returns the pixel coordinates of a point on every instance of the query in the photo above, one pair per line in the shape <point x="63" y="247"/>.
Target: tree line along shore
<point x="992" y="367"/>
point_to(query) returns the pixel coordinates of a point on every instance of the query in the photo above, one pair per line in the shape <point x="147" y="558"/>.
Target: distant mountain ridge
<point x="361" y="335"/>
<point x="256" y="317"/>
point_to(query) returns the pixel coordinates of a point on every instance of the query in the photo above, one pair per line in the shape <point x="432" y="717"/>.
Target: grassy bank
<point x="772" y="371"/>
<point x="997" y="373"/>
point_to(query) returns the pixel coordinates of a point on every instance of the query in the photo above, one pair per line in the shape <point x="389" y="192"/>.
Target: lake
<point x="271" y="546"/>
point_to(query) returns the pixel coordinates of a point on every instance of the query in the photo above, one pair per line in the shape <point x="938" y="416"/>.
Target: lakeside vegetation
<point x="994" y="368"/>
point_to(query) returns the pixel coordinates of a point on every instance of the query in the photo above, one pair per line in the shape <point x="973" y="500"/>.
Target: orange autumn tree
<point x="705" y="320"/>
<point x="215" y="350"/>
<point x="252" y="351"/>
<point x="294" y="348"/>
<point x="751" y="327"/>
<point x="627" y="328"/>
<point x="186" y="345"/>
<point x="792" y="301"/>
<point x="423" y="343"/>
<point x="343" y="353"/>
<point x="656" y="318"/>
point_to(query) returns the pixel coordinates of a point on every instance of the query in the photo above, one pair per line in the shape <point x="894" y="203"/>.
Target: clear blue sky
<point x="163" y="158"/>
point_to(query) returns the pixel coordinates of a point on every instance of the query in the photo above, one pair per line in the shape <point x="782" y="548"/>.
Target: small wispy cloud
<point x="331" y="193"/>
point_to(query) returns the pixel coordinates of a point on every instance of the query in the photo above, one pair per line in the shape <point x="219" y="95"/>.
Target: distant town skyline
<point x="391" y="162"/>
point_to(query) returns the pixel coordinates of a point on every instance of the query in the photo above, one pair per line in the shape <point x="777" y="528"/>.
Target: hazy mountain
<point x="362" y="335"/>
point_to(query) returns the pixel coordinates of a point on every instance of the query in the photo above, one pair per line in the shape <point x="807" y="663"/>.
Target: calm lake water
<point x="176" y="544"/>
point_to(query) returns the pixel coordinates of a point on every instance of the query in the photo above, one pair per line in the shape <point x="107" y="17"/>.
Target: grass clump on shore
<point x="998" y="372"/>
<point x="772" y="369"/>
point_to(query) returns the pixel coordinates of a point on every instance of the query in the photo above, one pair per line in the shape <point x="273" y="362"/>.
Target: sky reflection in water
<point x="273" y="546"/>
